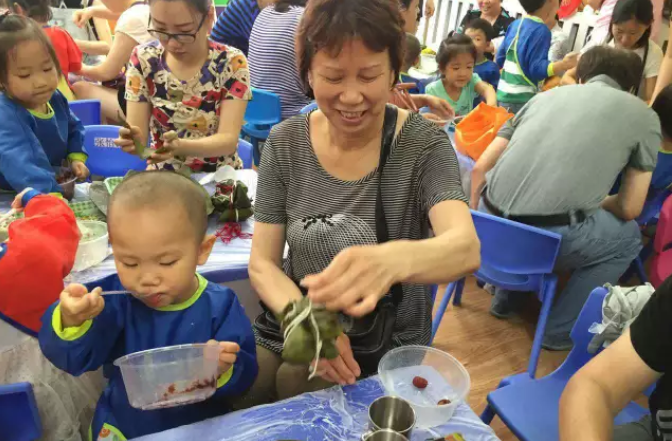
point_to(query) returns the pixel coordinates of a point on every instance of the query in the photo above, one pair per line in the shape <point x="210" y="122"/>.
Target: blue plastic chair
<point x="88" y="111"/>
<point x="516" y="257"/>
<point x="530" y="407"/>
<point x="245" y="153"/>
<point x="309" y="108"/>
<point x="105" y="158"/>
<point x="19" y="418"/>
<point x="419" y="88"/>
<point x="263" y="112"/>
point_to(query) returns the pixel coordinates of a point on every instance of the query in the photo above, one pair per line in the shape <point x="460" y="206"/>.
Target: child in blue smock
<point x="459" y="85"/>
<point x="157" y="222"/>
<point x="37" y="130"/>
<point x="480" y="32"/>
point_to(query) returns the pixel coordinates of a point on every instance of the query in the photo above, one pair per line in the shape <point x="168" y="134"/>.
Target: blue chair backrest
<point x="515" y="248"/>
<point x="88" y="111"/>
<point x="245" y="153"/>
<point x="264" y="109"/>
<point x="309" y="108"/>
<point x="408" y="79"/>
<point x="105" y="158"/>
<point x="590" y="313"/>
<point x="19" y="418"/>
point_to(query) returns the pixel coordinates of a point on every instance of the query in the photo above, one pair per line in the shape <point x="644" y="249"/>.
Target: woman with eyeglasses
<point x="189" y="92"/>
<point x="131" y="31"/>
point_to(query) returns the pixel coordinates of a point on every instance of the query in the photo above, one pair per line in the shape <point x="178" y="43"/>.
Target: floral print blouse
<point x="191" y="108"/>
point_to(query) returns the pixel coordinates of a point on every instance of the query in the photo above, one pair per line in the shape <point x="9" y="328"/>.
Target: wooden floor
<point x="490" y="348"/>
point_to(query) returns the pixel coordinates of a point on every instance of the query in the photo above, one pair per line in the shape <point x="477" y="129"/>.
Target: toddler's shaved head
<point x="164" y="189"/>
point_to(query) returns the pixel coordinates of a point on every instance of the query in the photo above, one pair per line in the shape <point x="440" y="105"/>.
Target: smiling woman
<point x="355" y="232"/>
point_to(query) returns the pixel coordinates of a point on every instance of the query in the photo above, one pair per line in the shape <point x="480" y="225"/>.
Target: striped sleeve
<point x="270" y="205"/>
<point x="438" y="172"/>
<point x="234" y="25"/>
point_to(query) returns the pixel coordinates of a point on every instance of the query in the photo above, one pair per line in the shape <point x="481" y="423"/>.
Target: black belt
<point x="552" y="220"/>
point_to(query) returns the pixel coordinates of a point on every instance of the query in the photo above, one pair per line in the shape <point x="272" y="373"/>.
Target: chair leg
<point x="445" y="301"/>
<point x="457" y="301"/>
<point x="256" y="154"/>
<point x="639" y="267"/>
<point x="488" y="415"/>
<point x="548" y="294"/>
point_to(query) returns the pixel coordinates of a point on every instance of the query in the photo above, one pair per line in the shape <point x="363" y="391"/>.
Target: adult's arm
<point x="665" y="74"/>
<point x="603" y="387"/>
<point x="93" y="47"/>
<point x="484" y="164"/>
<point x="629" y="201"/>
<point x="116" y="59"/>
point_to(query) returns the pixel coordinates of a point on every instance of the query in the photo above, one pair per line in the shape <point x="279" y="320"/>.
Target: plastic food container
<point x="93" y="245"/>
<point x="171" y="376"/>
<point x="446" y="379"/>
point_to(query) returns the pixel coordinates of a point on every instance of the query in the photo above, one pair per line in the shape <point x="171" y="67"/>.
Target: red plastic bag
<point x="478" y="129"/>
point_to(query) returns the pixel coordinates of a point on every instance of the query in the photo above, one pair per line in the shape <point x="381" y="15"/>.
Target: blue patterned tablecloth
<point x="333" y="414"/>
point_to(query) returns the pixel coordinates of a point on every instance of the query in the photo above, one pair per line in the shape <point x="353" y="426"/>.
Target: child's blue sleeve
<point x="495" y="76"/>
<point x="234" y="326"/>
<point x="80" y="349"/>
<point x="23" y="162"/>
<point x="533" y="47"/>
<point x="500" y="57"/>
<point x="76" y="151"/>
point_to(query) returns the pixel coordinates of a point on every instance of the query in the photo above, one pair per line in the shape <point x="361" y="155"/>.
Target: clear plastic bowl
<point x="93" y="245"/>
<point x="170" y="376"/>
<point x="446" y="379"/>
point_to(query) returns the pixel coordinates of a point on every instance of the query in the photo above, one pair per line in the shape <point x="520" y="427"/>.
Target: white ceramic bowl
<point x="446" y="379"/>
<point x="93" y="245"/>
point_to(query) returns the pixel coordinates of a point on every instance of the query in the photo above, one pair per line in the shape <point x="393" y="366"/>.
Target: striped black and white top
<point x="324" y="215"/>
<point x="272" y="58"/>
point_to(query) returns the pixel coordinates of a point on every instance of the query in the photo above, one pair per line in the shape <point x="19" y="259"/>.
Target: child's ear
<point x="205" y="248"/>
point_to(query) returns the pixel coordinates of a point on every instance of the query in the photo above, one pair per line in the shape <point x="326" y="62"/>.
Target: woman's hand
<point x="171" y="148"/>
<point x="80" y="170"/>
<point x="429" y="8"/>
<point x="356" y="279"/>
<point x="439" y="107"/>
<point x="81" y="17"/>
<point x="343" y="369"/>
<point x="127" y="137"/>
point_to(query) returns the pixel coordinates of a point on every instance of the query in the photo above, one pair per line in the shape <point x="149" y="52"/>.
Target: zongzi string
<point x="297" y="321"/>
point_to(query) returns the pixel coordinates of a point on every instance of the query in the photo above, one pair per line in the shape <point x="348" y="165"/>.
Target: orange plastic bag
<point x="478" y="129"/>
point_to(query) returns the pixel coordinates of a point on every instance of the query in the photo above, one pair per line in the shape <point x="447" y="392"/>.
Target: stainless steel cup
<point x="392" y="413"/>
<point x="384" y="435"/>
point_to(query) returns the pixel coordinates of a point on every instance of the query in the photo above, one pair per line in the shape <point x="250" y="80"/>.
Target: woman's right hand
<point x="126" y="139"/>
<point x="78" y="305"/>
<point x="81" y="17"/>
<point x="343" y="369"/>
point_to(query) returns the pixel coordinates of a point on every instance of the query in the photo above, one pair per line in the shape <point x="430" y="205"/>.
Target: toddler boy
<point x="157" y="223"/>
<point x="480" y="32"/>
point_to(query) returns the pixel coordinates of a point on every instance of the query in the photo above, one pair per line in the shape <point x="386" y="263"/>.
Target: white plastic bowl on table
<point x="446" y="379"/>
<point x="91" y="250"/>
<point x="170" y="376"/>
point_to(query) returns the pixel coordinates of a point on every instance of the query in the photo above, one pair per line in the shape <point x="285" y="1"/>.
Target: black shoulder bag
<point x="370" y="336"/>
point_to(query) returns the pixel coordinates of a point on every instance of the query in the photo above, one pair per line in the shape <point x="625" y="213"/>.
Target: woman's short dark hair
<point x="623" y="66"/>
<point x="200" y="6"/>
<point x="284" y="5"/>
<point x="662" y="105"/>
<point x="626" y="10"/>
<point x="15" y="29"/>
<point x="452" y="46"/>
<point x="329" y="24"/>
<point x="38" y="10"/>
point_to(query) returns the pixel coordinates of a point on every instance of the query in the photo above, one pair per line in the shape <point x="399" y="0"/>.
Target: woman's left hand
<point x="343" y="369"/>
<point x="170" y="149"/>
<point x="439" y="107"/>
<point x="356" y="279"/>
<point x="80" y="170"/>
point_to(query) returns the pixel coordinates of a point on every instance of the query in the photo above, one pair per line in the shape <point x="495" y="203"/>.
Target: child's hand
<point x="126" y="136"/>
<point x="78" y="305"/>
<point x="80" y="170"/>
<point x="170" y="149"/>
<point x="81" y="17"/>
<point x="17" y="204"/>
<point x="228" y="354"/>
<point x="569" y="62"/>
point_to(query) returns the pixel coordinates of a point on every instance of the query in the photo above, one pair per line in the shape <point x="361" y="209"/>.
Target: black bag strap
<point x="382" y="233"/>
<point x="642" y="76"/>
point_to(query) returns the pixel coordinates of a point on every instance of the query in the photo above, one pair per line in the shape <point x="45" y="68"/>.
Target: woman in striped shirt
<point x="272" y="58"/>
<point x="320" y="181"/>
